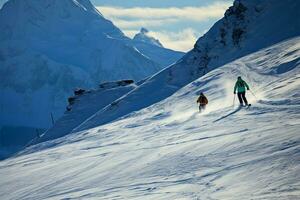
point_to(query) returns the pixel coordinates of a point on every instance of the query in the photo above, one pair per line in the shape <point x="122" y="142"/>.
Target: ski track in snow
<point x="170" y="151"/>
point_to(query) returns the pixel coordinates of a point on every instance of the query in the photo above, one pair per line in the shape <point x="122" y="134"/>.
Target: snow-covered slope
<point x="49" y="47"/>
<point x="170" y="151"/>
<point x="84" y="106"/>
<point x="155" y="52"/>
<point x="246" y="27"/>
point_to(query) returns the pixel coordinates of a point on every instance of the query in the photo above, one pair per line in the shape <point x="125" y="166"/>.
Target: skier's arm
<point x="247" y="86"/>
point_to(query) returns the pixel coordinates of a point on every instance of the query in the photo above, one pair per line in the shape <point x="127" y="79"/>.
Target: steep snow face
<point x="84" y="106"/>
<point x="49" y="19"/>
<point x="247" y="26"/>
<point x="50" y="47"/>
<point x="144" y="36"/>
<point x="170" y="151"/>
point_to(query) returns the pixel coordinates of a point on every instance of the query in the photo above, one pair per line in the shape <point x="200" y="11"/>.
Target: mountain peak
<point x="51" y="6"/>
<point x="53" y="18"/>
<point x="144" y="30"/>
<point x="144" y="36"/>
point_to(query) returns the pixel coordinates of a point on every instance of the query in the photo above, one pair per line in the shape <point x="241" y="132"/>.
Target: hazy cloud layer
<point x="216" y="10"/>
<point x="182" y="41"/>
<point x="163" y="21"/>
<point x="149" y="23"/>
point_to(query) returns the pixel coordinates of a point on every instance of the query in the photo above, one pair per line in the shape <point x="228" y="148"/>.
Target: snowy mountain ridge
<point x="47" y="19"/>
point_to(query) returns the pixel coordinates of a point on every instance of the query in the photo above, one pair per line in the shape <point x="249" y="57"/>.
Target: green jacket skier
<point x="240" y="87"/>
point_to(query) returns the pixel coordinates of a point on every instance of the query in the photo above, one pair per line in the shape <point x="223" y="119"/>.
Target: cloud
<point x="126" y="24"/>
<point x="165" y="21"/>
<point x="215" y="10"/>
<point x="181" y="41"/>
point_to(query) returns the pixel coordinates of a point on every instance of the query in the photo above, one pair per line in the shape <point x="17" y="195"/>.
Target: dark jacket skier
<point x="240" y="87"/>
<point x="202" y="100"/>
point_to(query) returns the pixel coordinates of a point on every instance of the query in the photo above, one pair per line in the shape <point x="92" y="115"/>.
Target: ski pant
<point x="202" y="107"/>
<point x="242" y="97"/>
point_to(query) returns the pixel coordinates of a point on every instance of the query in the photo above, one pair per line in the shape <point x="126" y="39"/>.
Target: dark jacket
<point x="202" y="100"/>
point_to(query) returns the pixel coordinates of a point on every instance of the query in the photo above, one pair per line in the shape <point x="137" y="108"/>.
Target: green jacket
<point x="240" y="86"/>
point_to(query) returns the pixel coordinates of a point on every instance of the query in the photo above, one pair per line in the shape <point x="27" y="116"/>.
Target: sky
<point x="176" y="23"/>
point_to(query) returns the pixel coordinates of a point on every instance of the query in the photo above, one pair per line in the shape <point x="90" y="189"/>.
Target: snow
<point x="170" y="151"/>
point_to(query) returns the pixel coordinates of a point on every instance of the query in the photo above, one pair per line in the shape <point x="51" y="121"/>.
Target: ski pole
<point x="253" y="94"/>
<point x="233" y="100"/>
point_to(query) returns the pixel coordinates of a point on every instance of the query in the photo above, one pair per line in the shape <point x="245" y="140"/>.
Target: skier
<point x="241" y="86"/>
<point x="202" y="100"/>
